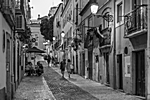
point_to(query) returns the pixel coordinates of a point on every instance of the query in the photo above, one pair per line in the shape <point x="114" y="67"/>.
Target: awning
<point x="34" y="50"/>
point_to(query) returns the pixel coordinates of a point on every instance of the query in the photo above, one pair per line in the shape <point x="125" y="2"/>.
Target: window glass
<point x="119" y="12"/>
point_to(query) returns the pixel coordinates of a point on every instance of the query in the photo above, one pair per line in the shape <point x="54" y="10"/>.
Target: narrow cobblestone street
<point x="50" y="86"/>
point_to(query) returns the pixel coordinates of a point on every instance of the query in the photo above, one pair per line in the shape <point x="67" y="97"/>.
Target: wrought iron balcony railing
<point x="107" y="37"/>
<point x="136" y="20"/>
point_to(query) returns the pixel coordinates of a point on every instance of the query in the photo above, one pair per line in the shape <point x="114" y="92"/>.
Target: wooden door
<point x="83" y="64"/>
<point x="90" y="68"/>
<point x="106" y="57"/>
<point x="120" y="72"/>
<point x="140" y="73"/>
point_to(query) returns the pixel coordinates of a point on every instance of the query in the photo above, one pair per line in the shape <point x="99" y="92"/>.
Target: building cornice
<point x="85" y="8"/>
<point x="65" y="8"/>
<point x="57" y="9"/>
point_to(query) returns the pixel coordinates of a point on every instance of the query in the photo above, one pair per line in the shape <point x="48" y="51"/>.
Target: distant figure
<point x="69" y="67"/>
<point x="40" y="69"/>
<point x="72" y="69"/>
<point x="48" y="59"/>
<point x="29" y="69"/>
<point x="62" y="67"/>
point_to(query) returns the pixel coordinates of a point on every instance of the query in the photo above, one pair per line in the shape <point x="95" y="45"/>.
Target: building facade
<point x="57" y="26"/>
<point x="11" y="59"/>
<point x="130" y="50"/>
<point x="114" y="47"/>
<point x="67" y="28"/>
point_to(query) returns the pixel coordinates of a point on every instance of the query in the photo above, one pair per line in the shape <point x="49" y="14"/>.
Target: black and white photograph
<point x="74" y="49"/>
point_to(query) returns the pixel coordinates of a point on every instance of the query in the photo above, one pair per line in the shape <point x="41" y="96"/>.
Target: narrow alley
<point x="50" y="86"/>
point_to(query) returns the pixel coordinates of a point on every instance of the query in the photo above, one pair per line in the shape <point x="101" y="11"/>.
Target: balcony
<point x="8" y="10"/>
<point x="58" y="44"/>
<point x="136" y="22"/>
<point x="20" y="23"/>
<point x="105" y="42"/>
<point x="107" y="37"/>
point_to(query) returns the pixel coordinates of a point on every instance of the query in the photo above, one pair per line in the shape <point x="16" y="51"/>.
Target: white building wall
<point x="36" y="30"/>
<point x="2" y="56"/>
<point x="3" y="26"/>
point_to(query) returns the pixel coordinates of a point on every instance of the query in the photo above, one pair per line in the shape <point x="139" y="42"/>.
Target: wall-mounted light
<point x="54" y="38"/>
<point x="94" y="9"/>
<point x="62" y="34"/>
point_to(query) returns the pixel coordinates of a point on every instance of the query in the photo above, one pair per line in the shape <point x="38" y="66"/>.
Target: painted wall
<point x="4" y="26"/>
<point x="35" y="29"/>
<point x="57" y="30"/>
<point x="2" y="55"/>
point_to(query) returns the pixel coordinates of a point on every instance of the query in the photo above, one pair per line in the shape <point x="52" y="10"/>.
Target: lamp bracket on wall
<point x="108" y="17"/>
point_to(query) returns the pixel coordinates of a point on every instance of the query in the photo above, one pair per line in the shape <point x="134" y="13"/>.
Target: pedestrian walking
<point x="48" y="59"/>
<point x="69" y="67"/>
<point x="62" y="67"/>
<point x="72" y="69"/>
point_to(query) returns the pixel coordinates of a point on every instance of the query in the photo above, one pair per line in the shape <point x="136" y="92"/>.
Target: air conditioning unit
<point x="20" y="23"/>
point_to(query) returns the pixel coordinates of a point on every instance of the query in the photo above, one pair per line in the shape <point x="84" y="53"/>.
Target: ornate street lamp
<point x="94" y="9"/>
<point x="54" y="38"/>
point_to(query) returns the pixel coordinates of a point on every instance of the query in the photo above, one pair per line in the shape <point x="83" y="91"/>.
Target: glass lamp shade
<point x="54" y="38"/>
<point x="62" y="34"/>
<point x="94" y="8"/>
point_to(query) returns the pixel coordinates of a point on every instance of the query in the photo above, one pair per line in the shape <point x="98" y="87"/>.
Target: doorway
<point x="140" y="73"/>
<point x="8" y="70"/>
<point x="83" y="64"/>
<point x="77" y="64"/>
<point x="90" y="58"/>
<point x="106" y="57"/>
<point x="120" y="72"/>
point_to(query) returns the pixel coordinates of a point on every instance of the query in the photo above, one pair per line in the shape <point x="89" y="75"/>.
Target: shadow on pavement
<point x="73" y="79"/>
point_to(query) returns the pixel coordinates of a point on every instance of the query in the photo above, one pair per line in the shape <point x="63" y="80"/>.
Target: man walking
<point x="62" y="67"/>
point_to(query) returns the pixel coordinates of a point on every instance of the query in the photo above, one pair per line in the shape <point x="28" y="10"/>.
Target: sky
<point x="42" y="7"/>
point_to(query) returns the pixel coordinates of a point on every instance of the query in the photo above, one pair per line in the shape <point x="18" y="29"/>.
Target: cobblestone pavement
<point x="33" y="88"/>
<point x="62" y="89"/>
<point x="98" y="90"/>
<point x="50" y="86"/>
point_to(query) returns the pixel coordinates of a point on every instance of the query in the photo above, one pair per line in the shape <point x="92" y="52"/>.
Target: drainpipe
<point x="148" y="52"/>
<point x="114" y="52"/>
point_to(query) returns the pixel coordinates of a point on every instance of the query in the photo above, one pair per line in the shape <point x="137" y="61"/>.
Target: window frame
<point x="118" y="23"/>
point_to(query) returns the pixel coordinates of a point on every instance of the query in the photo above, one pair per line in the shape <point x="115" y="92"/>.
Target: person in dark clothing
<point x="48" y="59"/>
<point x="40" y="68"/>
<point x="62" y="67"/>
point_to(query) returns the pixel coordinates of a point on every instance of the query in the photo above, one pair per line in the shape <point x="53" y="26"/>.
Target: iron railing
<point x="136" y="20"/>
<point x="107" y="37"/>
